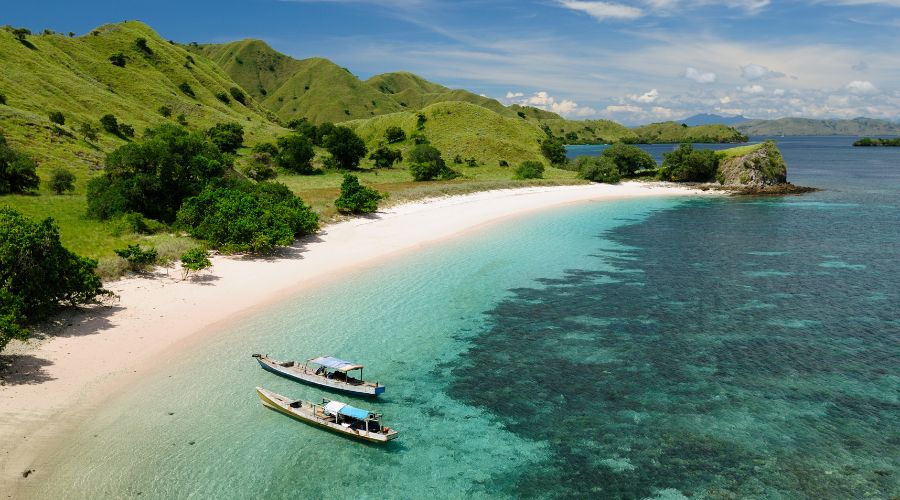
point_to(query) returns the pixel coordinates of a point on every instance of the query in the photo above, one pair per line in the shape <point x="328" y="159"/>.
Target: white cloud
<point x="662" y="112"/>
<point x="545" y="101"/>
<point x="752" y="89"/>
<point x="602" y="11"/>
<point x="699" y="77"/>
<point x="623" y="108"/>
<point x="755" y="72"/>
<point x="647" y="97"/>
<point x="778" y="92"/>
<point x="725" y="99"/>
<point x="861" y="87"/>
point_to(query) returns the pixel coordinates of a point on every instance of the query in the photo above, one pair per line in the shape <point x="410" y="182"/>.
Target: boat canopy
<point x="338" y="364"/>
<point x="347" y="410"/>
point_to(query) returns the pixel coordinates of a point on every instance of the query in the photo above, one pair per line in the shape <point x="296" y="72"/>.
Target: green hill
<point x="463" y="129"/>
<point x="415" y="92"/>
<point x="807" y="126"/>
<point x="673" y="132"/>
<point x="588" y="131"/>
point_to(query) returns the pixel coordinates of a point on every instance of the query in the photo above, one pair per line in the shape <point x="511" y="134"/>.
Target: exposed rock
<point x="761" y="167"/>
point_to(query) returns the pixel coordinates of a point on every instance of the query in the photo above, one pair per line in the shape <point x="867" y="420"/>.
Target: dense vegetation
<point x="675" y="133"/>
<point x="37" y="274"/>
<point x="598" y="169"/>
<point x="628" y="159"/>
<point x="869" y="142"/>
<point x="356" y="198"/>
<point x="17" y="170"/>
<point x="530" y="169"/>
<point x="426" y="164"/>
<point x="687" y="164"/>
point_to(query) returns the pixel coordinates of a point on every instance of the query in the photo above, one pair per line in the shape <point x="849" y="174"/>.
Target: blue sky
<point x="632" y="61"/>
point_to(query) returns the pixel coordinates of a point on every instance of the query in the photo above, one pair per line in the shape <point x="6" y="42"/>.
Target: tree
<point x="186" y="88"/>
<point x="228" y="137"/>
<point x="420" y="121"/>
<point x="295" y="154"/>
<point x="141" y="44"/>
<point x="322" y="133"/>
<point x="222" y="96"/>
<point x="554" y="150"/>
<point x="166" y="111"/>
<point x="238" y="95"/>
<point x="118" y="59"/>
<point x="629" y="159"/>
<point x="153" y="177"/>
<point x="62" y="180"/>
<point x="57" y="117"/>
<point x="17" y="170"/>
<point x="598" y="169"/>
<point x="38" y="274"/>
<point x="88" y="131"/>
<point x="426" y="164"/>
<point x="239" y="216"/>
<point x="356" y="198"/>
<point x="394" y="134"/>
<point x="305" y="128"/>
<point x="110" y="124"/>
<point x="385" y="157"/>
<point x="530" y="169"/>
<point x="126" y="130"/>
<point x="21" y="33"/>
<point x="687" y="164"/>
<point x="346" y="148"/>
<point x="194" y="260"/>
<point x="138" y="258"/>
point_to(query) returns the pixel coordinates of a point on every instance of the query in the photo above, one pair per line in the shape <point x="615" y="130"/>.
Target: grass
<point x="673" y="132"/>
<point x="739" y="151"/>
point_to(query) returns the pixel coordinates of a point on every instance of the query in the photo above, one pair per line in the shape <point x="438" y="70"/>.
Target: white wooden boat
<point x="328" y="372"/>
<point x="332" y="415"/>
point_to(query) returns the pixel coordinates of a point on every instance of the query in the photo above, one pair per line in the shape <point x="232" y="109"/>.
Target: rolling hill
<point x="673" y="132"/>
<point x="711" y="119"/>
<point x="808" y="126"/>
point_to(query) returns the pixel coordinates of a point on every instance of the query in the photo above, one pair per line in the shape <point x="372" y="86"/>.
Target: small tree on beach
<point x="356" y="198"/>
<point x="194" y="260"/>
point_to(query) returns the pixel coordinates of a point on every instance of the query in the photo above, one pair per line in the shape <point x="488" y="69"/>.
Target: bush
<point x="126" y="130"/>
<point x="141" y="44"/>
<point x="17" y="171"/>
<point x="356" y="198"/>
<point x="385" y="157"/>
<point x="303" y="127"/>
<point x="426" y="164"/>
<point x="530" y="169"/>
<point x="228" y="137"/>
<point x="554" y="150"/>
<point x="186" y="88"/>
<point x="598" y="169"/>
<point x="222" y="96"/>
<point x="322" y="133"/>
<point x="420" y="121"/>
<point x="88" y="131"/>
<point x="153" y="177"/>
<point x="295" y="153"/>
<point x="687" y="164"/>
<point x="394" y="134"/>
<point x="629" y="159"/>
<point x="194" y="260"/>
<point x="118" y="59"/>
<point x="57" y="117"/>
<point x="135" y="223"/>
<point x="241" y="216"/>
<point x="260" y="167"/>
<point x="504" y="163"/>
<point x="182" y="120"/>
<point x="110" y="124"/>
<point x="238" y="95"/>
<point x="166" y="111"/>
<point x="346" y="148"/>
<point x="419" y="138"/>
<point x="3" y="99"/>
<point x="62" y="180"/>
<point x="266" y="147"/>
<point x="471" y="162"/>
<point x="138" y="258"/>
<point x="38" y="274"/>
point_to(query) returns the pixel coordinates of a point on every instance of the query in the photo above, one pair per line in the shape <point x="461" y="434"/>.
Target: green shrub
<point x="166" y="111"/>
<point x="141" y="44"/>
<point x="295" y="153"/>
<point x="135" y="223"/>
<point x="2" y="99"/>
<point x="304" y="127"/>
<point x="385" y="157"/>
<point x="38" y="274"/>
<point x="244" y="217"/>
<point x="687" y="164"/>
<point x="62" y="180"/>
<point x="471" y="162"/>
<point x="17" y="171"/>
<point x="126" y="130"/>
<point x="426" y="164"/>
<point x="420" y="121"/>
<point x="194" y="260"/>
<point x="260" y="168"/>
<point x="346" y="148"/>
<point x="394" y="134"/>
<point x="629" y="159"/>
<point x="57" y="117"/>
<point x="110" y="124"/>
<point x="228" y="137"/>
<point x="598" y="169"/>
<point x="186" y="88"/>
<point x="138" y="258"/>
<point x="419" y="138"/>
<point x="322" y="133"/>
<point x="222" y="96"/>
<point x="504" y="163"/>
<point x="153" y="177"/>
<point x="238" y="95"/>
<point x="182" y="120"/>
<point x="118" y="59"/>
<point x="530" y="169"/>
<point x="88" y="131"/>
<point x="356" y="198"/>
<point x="554" y="150"/>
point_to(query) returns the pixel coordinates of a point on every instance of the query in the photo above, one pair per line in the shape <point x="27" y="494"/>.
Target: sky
<point x="631" y="61"/>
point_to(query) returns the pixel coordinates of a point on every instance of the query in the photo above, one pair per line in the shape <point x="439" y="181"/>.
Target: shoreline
<point x="56" y="381"/>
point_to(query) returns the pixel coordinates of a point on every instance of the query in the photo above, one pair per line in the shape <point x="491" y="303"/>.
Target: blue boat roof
<point x="344" y="409"/>
<point x="337" y="364"/>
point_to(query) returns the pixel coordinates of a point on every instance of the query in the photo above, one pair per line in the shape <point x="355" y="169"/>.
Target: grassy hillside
<point x="673" y="132"/>
<point x="414" y="92"/>
<point x="588" y="131"/>
<point x="807" y="126"/>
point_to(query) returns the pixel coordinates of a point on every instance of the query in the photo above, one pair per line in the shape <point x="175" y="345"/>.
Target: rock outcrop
<point x="761" y="166"/>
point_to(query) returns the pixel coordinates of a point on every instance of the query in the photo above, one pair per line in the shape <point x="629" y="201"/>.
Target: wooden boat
<point x="332" y="415"/>
<point x="328" y="372"/>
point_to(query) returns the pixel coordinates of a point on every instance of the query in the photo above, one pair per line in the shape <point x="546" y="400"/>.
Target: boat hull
<point x="299" y="375"/>
<point x="278" y="403"/>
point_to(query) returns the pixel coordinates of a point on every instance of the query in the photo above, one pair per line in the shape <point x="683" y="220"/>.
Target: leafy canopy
<point x="598" y="169"/>
<point x="62" y="180"/>
<point x="385" y="157"/>
<point x="356" y="198"/>
<point x="426" y="164"/>
<point x="346" y="148"/>
<point x="687" y="164"/>
<point x="554" y="150"/>
<point x="194" y="260"/>
<point x="228" y="137"/>
<point x="295" y="153"/>
<point x="17" y="170"/>
<point x="628" y="159"/>
<point x="530" y="169"/>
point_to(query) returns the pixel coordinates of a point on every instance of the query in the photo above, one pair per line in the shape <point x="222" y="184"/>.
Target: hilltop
<point x="672" y="132"/>
<point x="712" y="119"/>
<point x="806" y="126"/>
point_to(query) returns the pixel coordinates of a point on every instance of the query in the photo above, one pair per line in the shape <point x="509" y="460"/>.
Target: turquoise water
<point x="717" y="348"/>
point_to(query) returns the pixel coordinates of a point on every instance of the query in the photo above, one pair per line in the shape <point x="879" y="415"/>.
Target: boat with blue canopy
<point x="323" y="371"/>
<point x="332" y="415"/>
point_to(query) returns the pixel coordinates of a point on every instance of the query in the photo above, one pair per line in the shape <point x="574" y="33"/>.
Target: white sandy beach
<point x="105" y="348"/>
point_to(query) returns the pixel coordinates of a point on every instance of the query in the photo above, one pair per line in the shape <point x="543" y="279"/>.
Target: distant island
<point x="869" y="142"/>
<point x="808" y="126"/>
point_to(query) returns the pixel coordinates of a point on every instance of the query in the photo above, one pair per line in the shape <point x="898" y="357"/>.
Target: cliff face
<point x="761" y="166"/>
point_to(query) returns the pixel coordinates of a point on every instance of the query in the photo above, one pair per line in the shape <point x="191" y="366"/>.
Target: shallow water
<point x="653" y="348"/>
